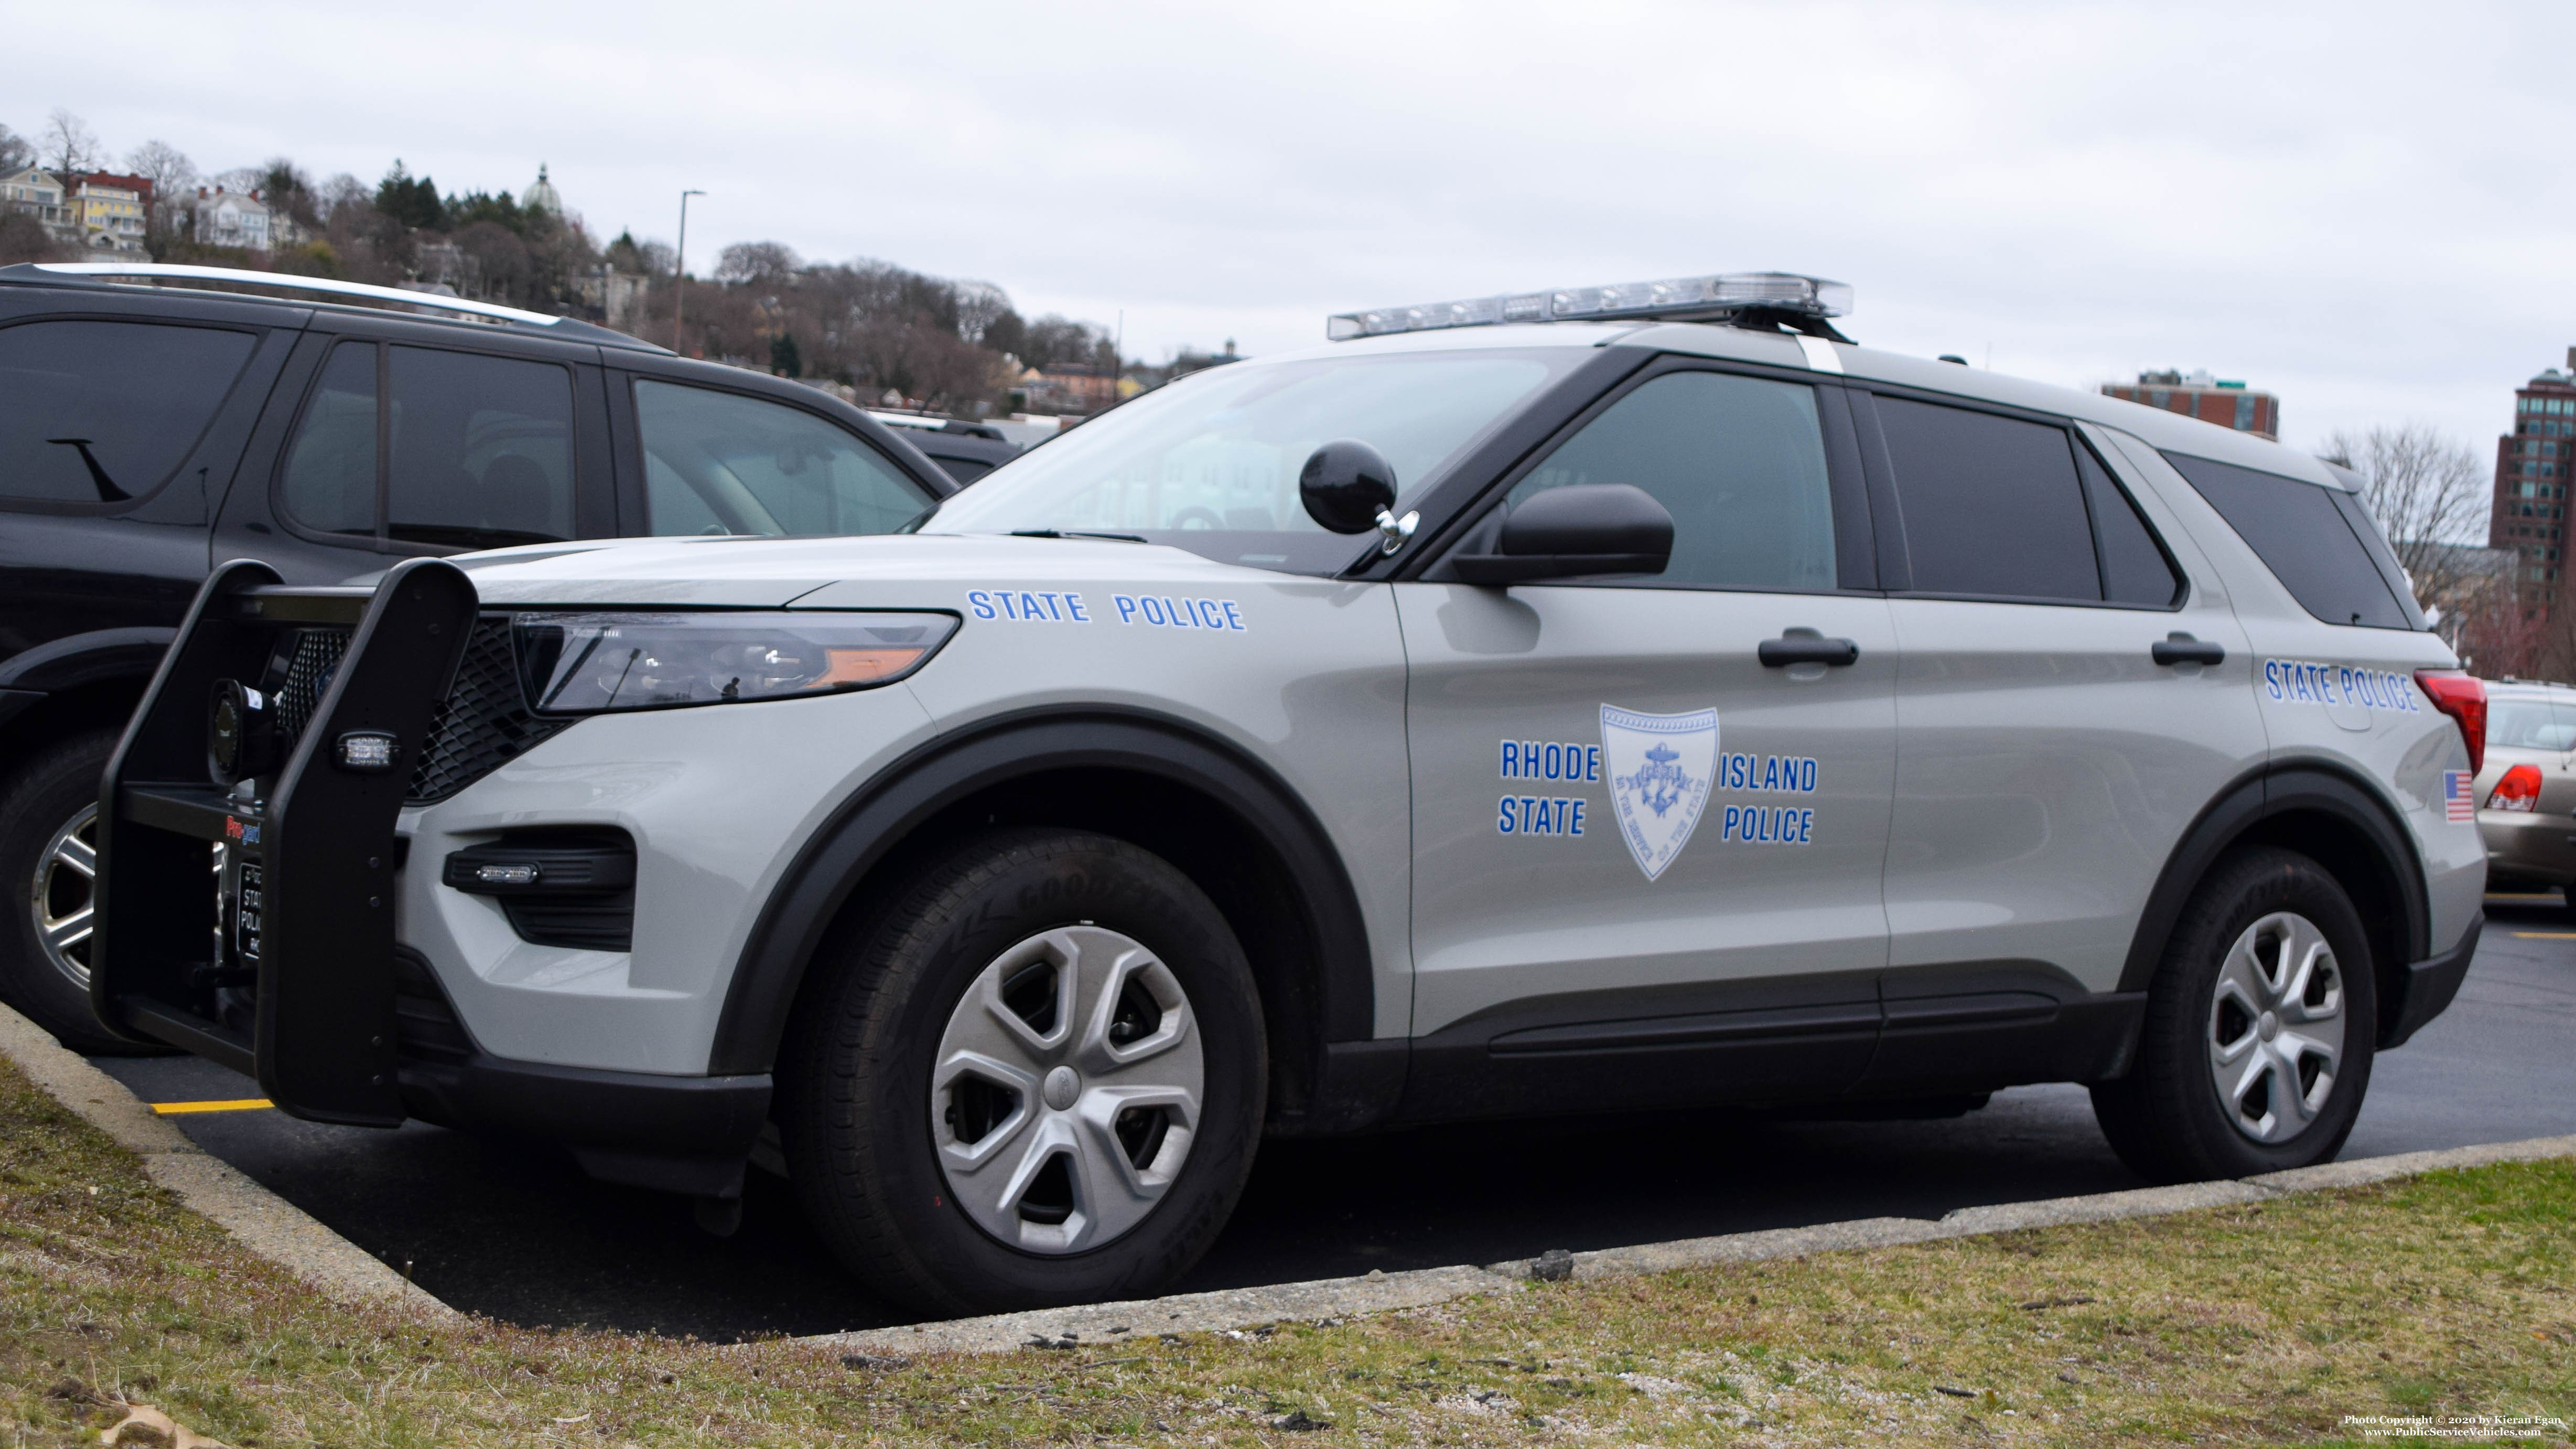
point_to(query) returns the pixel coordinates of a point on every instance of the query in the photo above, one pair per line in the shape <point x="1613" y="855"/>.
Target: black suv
<point x="148" y="432"/>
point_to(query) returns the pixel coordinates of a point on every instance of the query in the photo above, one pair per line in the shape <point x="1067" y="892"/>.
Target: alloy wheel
<point x="63" y="894"/>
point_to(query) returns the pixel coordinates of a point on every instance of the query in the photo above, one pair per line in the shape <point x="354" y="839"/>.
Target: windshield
<point x="1210" y="462"/>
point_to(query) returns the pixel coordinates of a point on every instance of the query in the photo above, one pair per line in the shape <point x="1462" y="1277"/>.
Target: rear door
<point x="392" y="442"/>
<point x="700" y="460"/>
<point x="2048" y="762"/>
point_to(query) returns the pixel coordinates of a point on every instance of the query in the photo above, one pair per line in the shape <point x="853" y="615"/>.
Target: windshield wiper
<point x="1074" y="533"/>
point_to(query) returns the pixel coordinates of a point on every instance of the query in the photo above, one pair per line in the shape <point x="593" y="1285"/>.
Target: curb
<point x="1244" y="1308"/>
<point x="265" y="1223"/>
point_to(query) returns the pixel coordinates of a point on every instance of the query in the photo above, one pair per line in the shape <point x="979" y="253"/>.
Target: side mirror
<point x="1346" y="485"/>
<point x="1588" y="528"/>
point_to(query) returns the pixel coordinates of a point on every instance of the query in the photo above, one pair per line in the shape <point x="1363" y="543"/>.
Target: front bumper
<point x="2529" y="847"/>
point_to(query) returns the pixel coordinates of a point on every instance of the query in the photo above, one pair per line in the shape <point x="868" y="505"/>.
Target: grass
<point x="2452" y="1293"/>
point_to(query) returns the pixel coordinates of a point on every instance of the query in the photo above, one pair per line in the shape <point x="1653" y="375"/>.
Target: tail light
<point x="2464" y="698"/>
<point x="2518" y="790"/>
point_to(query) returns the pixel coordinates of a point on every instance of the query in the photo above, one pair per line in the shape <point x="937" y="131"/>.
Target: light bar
<point x="1682" y="299"/>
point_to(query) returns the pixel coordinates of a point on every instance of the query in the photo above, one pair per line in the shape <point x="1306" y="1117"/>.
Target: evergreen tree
<point x="784" y="359"/>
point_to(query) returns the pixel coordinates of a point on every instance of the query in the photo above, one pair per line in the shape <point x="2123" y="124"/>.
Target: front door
<point x="1646" y="861"/>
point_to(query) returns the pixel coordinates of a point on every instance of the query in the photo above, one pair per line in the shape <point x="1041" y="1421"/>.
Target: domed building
<point x="541" y="194"/>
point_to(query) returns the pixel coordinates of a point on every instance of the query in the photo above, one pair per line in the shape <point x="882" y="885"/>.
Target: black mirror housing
<point x="1345" y="485"/>
<point x="1586" y="528"/>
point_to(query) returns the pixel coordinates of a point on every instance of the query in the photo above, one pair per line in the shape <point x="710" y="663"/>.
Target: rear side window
<point x="2299" y="533"/>
<point x="722" y="463"/>
<point x="1739" y="462"/>
<point x="1992" y="505"/>
<point x="105" y="412"/>
<point x="482" y="449"/>
<point x="2134" y="567"/>
<point x="470" y="451"/>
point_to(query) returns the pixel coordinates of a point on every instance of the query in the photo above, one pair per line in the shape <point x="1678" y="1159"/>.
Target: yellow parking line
<point x="2522" y="895"/>
<point x="245" y="1104"/>
<point x="2545" y="935"/>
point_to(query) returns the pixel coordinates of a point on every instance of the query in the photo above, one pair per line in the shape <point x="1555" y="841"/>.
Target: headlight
<point x="587" y="663"/>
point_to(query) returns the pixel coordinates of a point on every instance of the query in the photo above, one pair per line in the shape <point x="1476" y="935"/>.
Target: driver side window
<point x="1739" y="462"/>
<point x="721" y="463"/>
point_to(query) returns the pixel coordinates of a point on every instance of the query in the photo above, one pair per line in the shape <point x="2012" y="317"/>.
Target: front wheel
<point x="1035" y="1077"/>
<point x="2260" y="1026"/>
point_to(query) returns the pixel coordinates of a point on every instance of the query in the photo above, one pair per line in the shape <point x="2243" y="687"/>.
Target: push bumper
<point x="2426" y="990"/>
<point x="290" y="971"/>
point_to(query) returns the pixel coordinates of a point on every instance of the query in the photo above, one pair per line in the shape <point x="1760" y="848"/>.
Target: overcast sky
<point x="2361" y="208"/>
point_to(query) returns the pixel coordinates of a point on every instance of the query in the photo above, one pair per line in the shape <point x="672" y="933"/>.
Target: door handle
<point x="2179" y="648"/>
<point x="1795" y="649"/>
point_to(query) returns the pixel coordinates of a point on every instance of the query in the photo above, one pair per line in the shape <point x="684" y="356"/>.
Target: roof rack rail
<point x="283" y="281"/>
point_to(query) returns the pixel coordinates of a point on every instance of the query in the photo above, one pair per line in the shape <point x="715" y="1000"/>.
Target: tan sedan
<point x="2526" y="789"/>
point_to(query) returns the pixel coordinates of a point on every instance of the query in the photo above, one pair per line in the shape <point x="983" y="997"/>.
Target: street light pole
<point x="680" y="275"/>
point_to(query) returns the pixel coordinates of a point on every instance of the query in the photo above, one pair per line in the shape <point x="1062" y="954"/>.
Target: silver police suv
<point x="1593" y="700"/>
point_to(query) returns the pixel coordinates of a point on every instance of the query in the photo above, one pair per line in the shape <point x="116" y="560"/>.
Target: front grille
<point x="482" y="725"/>
<point x="308" y="673"/>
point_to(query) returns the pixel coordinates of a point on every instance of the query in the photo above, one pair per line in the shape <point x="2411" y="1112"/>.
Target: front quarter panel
<point x="1303" y="676"/>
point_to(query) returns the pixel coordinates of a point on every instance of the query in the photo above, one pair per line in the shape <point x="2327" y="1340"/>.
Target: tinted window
<point x="721" y="463"/>
<point x="482" y="449"/>
<point x="2134" y="569"/>
<point x="103" y="412"/>
<point x="2302" y="537"/>
<point x="2530" y="724"/>
<point x="330" y="478"/>
<point x="1992" y="505"/>
<point x="1738" y="461"/>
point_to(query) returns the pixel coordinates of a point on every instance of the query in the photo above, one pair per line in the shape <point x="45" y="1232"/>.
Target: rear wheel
<point x="49" y="865"/>
<point x="1036" y="1077"/>
<point x="2258" y="1041"/>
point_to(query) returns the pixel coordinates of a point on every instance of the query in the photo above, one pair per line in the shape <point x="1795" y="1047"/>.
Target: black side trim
<point x="810" y="896"/>
<point x="2241" y="808"/>
<point x="675" y="1134"/>
<point x="2426" y="990"/>
<point x="1781" y="1039"/>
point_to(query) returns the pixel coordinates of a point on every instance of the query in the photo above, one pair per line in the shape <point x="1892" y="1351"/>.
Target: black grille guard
<point x="318" y="838"/>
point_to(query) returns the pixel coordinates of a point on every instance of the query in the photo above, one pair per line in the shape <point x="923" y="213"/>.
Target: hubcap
<point x="2276" y="1027"/>
<point x="1066" y="1090"/>
<point x="66" y="883"/>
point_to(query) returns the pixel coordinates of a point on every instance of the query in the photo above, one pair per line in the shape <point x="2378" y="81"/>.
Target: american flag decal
<point x="2459" y="795"/>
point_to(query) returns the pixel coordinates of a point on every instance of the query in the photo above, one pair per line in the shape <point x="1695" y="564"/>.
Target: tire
<point x="2267" y="964"/>
<point x="48" y="815"/>
<point x="959" y="1163"/>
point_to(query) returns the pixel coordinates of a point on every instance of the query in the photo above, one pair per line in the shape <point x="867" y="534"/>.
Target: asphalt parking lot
<point x="517" y="1232"/>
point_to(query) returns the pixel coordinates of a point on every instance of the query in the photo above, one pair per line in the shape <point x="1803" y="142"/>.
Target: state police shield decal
<point x="1660" y="766"/>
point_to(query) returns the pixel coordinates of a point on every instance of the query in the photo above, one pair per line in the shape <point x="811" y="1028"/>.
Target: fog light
<point x="368" y="752"/>
<point x="524" y="873"/>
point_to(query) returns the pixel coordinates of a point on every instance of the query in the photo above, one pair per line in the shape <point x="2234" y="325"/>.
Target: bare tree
<point x="171" y="174"/>
<point x="762" y="262"/>
<point x="16" y="151"/>
<point x="979" y="306"/>
<point x="342" y="190"/>
<point x="2430" y="497"/>
<point x="70" y="147"/>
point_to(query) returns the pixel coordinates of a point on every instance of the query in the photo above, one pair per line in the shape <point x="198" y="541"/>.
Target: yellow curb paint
<point x="2545" y="935"/>
<point x="245" y="1104"/>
